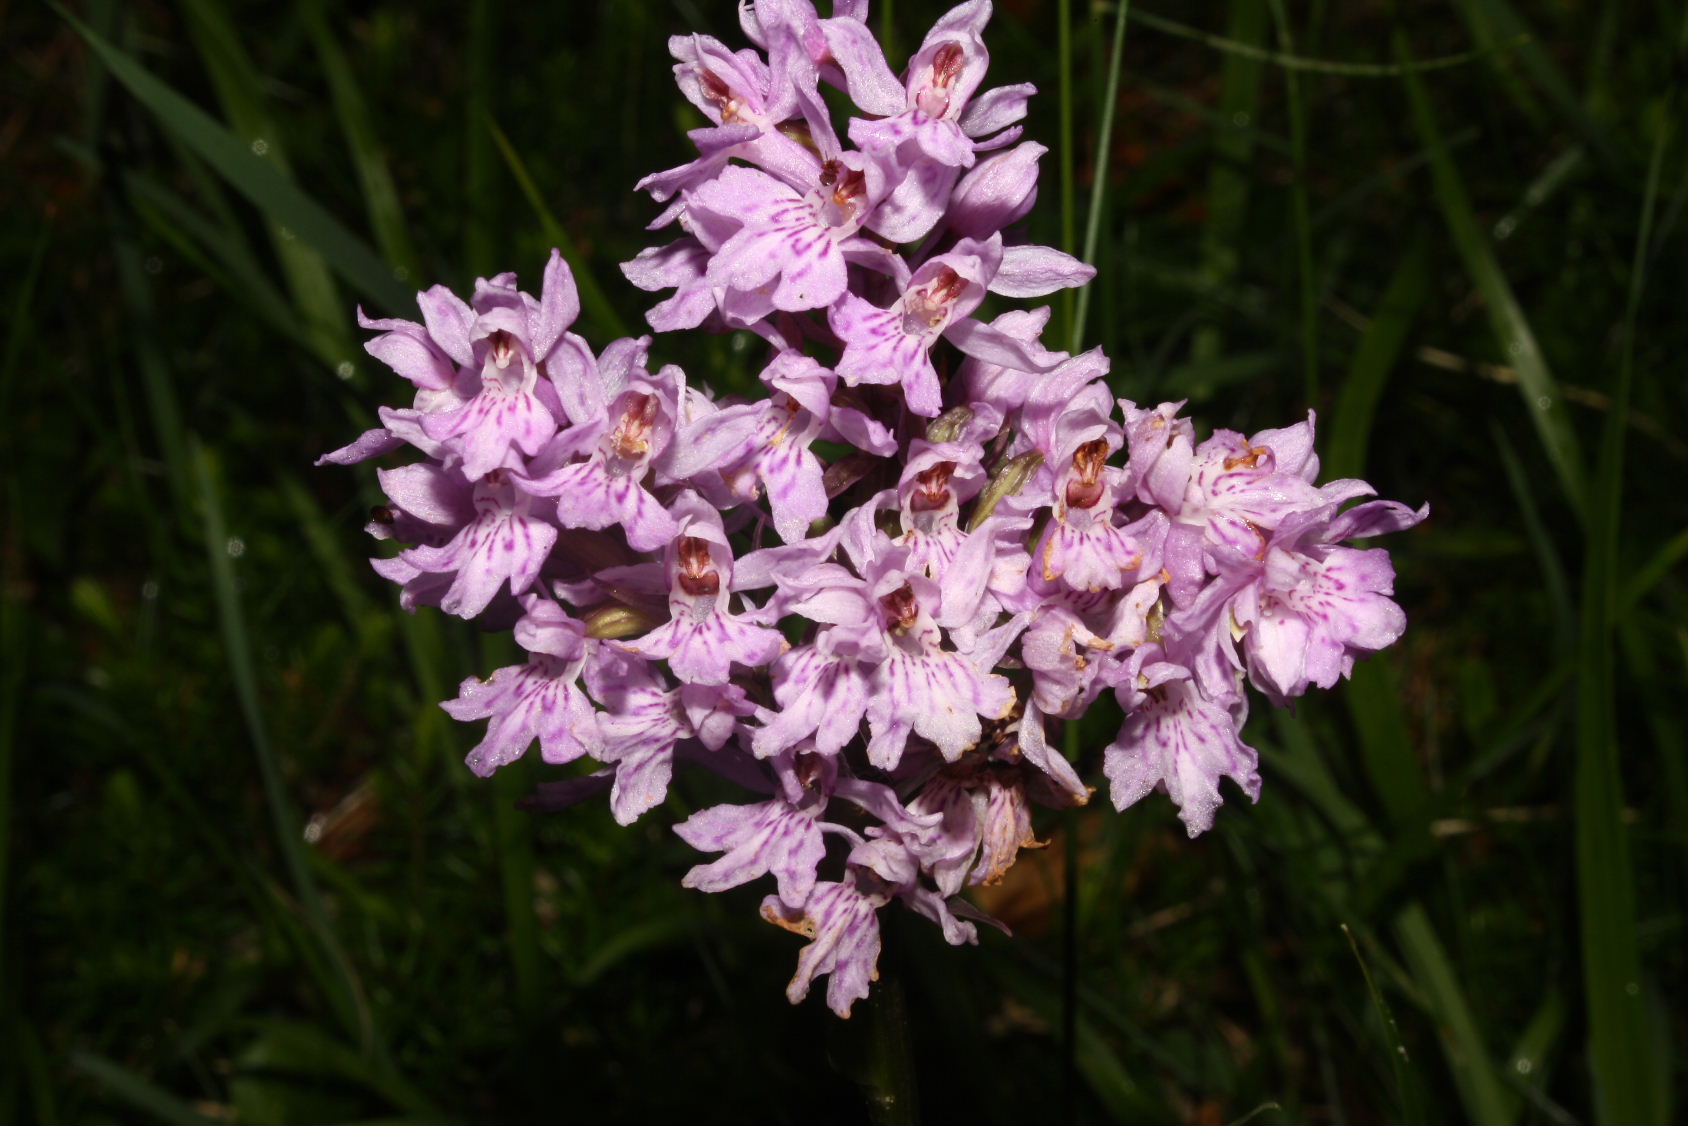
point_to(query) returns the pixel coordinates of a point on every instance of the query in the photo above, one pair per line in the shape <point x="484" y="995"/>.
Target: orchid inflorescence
<point x="872" y="636"/>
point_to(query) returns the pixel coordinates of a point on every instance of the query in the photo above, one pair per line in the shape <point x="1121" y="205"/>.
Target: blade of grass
<point x="1230" y="178"/>
<point x="1484" y="1098"/>
<point x="331" y="560"/>
<point x="1375" y="358"/>
<point x="594" y="302"/>
<point x="1647" y="576"/>
<point x="1554" y="582"/>
<point x="479" y="205"/>
<point x="1528" y="1061"/>
<point x="137" y="1092"/>
<point x="1543" y="401"/>
<point x="15" y="634"/>
<point x="1068" y="307"/>
<point x="142" y="327"/>
<point x="1099" y="179"/>
<point x="1388" y="755"/>
<point x="1495" y="22"/>
<point x="279" y="200"/>
<point x="1288" y="60"/>
<point x="203" y="243"/>
<point x="237" y="79"/>
<point x="380" y="197"/>
<point x="1407" y="1086"/>
<point x="1620" y="1049"/>
<point x="345" y="992"/>
<point x="1557" y="173"/>
<point x="1298" y="208"/>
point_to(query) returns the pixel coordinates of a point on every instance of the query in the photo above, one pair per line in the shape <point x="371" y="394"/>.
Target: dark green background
<point x="1455" y="229"/>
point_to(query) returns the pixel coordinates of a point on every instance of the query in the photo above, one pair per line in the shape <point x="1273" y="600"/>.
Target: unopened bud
<point x="997" y="192"/>
<point x="948" y="426"/>
<point x="1009" y="479"/>
<point x="608" y="623"/>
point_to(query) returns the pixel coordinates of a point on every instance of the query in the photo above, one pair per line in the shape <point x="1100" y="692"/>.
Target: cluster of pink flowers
<point x="871" y="637"/>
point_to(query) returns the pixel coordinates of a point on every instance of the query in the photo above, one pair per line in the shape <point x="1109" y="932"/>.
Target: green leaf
<point x="1620" y="1047"/>
<point x="1229" y="178"/>
<point x="345" y="991"/>
<point x="1292" y="62"/>
<point x="593" y="301"/>
<point x="137" y="1092"/>
<point x="1376" y="357"/>
<point x="278" y="200"/>
<point x="380" y="196"/>
<point x="1485" y="1099"/>
<point x="1099" y="184"/>
<point x="321" y="316"/>
<point x="1407" y="1085"/>
<point x="1543" y="401"/>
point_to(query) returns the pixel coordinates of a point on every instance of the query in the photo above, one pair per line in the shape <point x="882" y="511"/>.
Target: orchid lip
<point x="718" y="93"/>
<point x="697" y="575"/>
<point x="1084" y="488"/>
<point x="838" y="199"/>
<point x="934" y="99"/>
<point x="928" y="307"/>
<point x="901" y="608"/>
<point x="631" y="436"/>
<point x="931" y="489"/>
<point x="1246" y="461"/>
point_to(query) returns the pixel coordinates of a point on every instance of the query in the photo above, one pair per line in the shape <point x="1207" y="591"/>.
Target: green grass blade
<point x="1663" y="562"/>
<point x="344" y="989"/>
<point x="1388" y="755"/>
<point x="322" y="319"/>
<point x="1309" y="306"/>
<point x="1067" y="310"/>
<point x="480" y="209"/>
<point x="1099" y="181"/>
<point x="1290" y="61"/>
<point x="259" y="182"/>
<point x="1543" y="401"/>
<point x="1486" y="1101"/>
<point x="1556" y="175"/>
<point x="594" y="302"/>
<point x="331" y="560"/>
<point x="1528" y="1062"/>
<point x="1620" y="1048"/>
<point x="380" y="196"/>
<point x="1407" y="1086"/>
<point x="1378" y="353"/>
<point x="204" y="243"/>
<point x="137" y="1092"/>
<point x="162" y="404"/>
<point x="1230" y="179"/>
<point x="15" y="636"/>
<point x="1495" y="22"/>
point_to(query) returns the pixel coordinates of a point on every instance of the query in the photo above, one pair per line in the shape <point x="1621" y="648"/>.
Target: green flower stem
<point x="874" y="1049"/>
